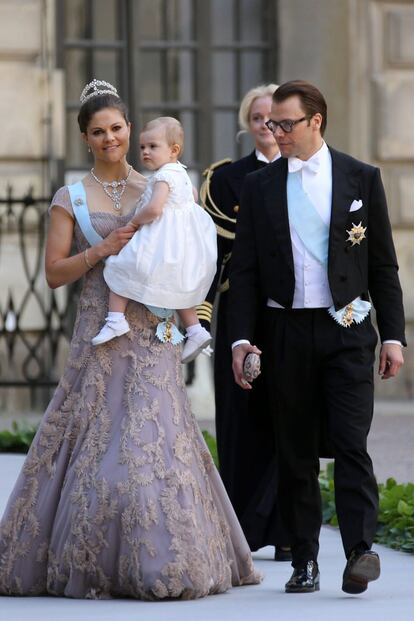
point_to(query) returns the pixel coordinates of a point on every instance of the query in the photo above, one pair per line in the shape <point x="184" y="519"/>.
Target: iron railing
<point x="35" y="322"/>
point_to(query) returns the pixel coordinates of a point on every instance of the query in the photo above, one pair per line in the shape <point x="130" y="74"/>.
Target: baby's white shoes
<point x="195" y="343"/>
<point x="110" y="330"/>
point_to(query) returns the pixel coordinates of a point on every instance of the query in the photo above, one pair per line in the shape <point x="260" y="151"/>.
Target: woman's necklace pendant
<point x="116" y="196"/>
<point x="111" y="188"/>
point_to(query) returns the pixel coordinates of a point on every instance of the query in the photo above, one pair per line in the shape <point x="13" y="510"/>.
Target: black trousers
<point x="316" y="368"/>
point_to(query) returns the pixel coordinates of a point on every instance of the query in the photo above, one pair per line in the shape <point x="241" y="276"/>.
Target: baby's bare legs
<point x="198" y="338"/>
<point x="188" y="317"/>
<point x="117" y="303"/>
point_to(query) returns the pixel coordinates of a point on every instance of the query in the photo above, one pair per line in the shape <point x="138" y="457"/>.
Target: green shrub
<point x="18" y="439"/>
<point x="396" y="516"/>
<point x="212" y="446"/>
<point x="396" y="511"/>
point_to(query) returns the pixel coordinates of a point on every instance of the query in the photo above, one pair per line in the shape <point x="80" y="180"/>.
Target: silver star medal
<point x="356" y="234"/>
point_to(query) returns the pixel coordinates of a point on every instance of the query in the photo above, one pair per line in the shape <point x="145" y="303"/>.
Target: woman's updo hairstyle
<point x="96" y="96"/>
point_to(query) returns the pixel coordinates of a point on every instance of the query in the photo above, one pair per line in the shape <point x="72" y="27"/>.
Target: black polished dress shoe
<point x="305" y="579"/>
<point x="362" y="567"/>
<point x="283" y="554"/>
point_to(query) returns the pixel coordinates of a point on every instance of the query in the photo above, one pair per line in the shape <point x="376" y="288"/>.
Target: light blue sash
<point x="314" y="234"/>
<point x="165" y="330"/>
<point x="308" y="224"/>
<point x="80" y="209"/>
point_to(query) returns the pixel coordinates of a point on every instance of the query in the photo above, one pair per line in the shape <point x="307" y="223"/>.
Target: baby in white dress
<point x="170" y="262"/>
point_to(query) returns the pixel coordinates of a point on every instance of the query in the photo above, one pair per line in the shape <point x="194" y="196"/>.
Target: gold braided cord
<point x="214" y="165"/>
<point x="224" y="232"/>
<point x="205" y="193"/>
<point x="224" y="286"/>
<point x="207" y="304"/>
<point x="204" y="317"/>
<point x="205" y="311"/>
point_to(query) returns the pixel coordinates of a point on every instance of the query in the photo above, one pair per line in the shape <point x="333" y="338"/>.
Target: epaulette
<point x="215" y="165"/>
<point x="205" y="311"/>
<point x="209" y="205"/>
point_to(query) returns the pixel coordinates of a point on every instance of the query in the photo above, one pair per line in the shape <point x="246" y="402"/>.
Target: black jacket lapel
<point x="275" y="199"/>
<point x="345" y="189"/>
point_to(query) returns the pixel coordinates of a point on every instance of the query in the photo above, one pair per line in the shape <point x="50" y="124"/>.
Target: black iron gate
<point x="35" y="321"/>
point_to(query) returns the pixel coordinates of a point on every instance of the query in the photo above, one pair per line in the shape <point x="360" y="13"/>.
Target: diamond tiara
<point x="95" y="88"/>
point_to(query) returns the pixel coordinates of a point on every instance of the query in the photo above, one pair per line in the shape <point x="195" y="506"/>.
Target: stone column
<point x="32" y="138"/>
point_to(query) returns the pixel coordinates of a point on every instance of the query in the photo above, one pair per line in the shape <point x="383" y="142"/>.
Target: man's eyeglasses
<point x="286" y="125"/>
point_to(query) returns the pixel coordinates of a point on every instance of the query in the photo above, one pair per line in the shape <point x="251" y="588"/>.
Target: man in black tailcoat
<point x="313" y="240"/>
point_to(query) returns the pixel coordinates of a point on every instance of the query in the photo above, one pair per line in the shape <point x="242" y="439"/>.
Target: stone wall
<point x="31" y="102"/>
<point x="32" y="112"/>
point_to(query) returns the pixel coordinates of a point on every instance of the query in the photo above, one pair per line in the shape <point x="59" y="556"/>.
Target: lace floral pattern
<point x="118" y="495"/>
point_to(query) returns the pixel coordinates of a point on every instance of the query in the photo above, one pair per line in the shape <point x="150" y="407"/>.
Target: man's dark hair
<point x="311" y="99"/>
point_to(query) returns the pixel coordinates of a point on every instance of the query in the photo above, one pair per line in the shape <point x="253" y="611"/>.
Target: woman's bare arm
<point x="61" y="268"/>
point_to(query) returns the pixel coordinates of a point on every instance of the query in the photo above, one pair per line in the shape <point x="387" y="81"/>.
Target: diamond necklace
<point x="111" y="188"/>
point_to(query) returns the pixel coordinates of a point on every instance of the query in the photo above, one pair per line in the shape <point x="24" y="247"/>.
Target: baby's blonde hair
<point x="264" y="90"/>
<point x="174" y="132"/>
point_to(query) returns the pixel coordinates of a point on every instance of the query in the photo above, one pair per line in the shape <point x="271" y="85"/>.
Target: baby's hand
<point x="135" y="227"/>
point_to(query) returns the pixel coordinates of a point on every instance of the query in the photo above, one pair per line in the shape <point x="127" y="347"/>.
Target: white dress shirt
<point x="311" y="277"/>
<point x="262" y="158"/>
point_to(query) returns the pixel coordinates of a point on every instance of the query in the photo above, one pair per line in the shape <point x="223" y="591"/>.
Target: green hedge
<point x="18" y="439"/>
<point x="212" y="446"/>
<point x="396" y="511"/>
<point x="396" y="508"/>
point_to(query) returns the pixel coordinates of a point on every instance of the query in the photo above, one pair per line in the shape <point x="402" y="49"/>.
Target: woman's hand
<point x="114" y="242"/>
<point x="61" y="267"/>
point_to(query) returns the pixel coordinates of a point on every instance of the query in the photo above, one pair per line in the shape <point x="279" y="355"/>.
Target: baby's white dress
<point x="170" y="262"/>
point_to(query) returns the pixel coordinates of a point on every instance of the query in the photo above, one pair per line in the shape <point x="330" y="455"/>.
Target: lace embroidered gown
<point x="118" y="495"/>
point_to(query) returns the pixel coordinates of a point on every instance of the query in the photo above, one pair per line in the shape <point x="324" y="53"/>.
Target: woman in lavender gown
<point x="118" y="495"/>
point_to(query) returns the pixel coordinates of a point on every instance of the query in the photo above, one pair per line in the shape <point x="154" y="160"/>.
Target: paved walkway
<point x="391" y="597"/>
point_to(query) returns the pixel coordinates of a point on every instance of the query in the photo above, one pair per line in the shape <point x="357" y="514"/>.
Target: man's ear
<point x="317" y="121"/>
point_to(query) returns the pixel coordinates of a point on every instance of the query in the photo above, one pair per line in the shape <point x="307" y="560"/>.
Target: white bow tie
<point x="295" y="164"/>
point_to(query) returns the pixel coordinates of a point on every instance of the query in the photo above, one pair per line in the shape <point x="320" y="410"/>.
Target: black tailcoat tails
<point x="244" y="429"/>
<point x="313" y="364"/>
